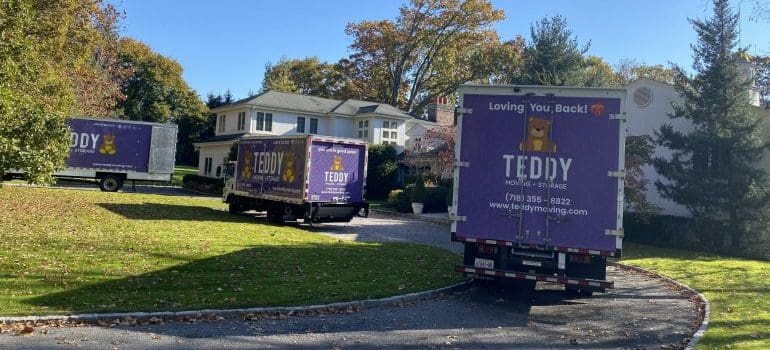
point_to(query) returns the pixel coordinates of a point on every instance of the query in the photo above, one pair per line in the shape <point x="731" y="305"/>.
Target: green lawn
<point x="738" y="290"/>
<point x="82" y="251"/>
<point x="180" y="171"/>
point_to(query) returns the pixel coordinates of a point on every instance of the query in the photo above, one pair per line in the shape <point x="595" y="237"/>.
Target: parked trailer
<point x="538" y="183"/>
<point x="113" y="151"/>
<point x="314" y="178"/>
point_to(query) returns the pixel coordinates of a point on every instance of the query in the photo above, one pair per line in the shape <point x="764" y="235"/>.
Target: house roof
<point x="222" y="138"/>
<point x="356" y="107"/>
<point x="316" y="105"/>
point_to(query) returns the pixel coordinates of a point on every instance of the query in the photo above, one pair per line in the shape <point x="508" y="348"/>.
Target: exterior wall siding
<point x="218" y="154"/>
<point x="645" y="120"/>
<point x="231" y="122"/>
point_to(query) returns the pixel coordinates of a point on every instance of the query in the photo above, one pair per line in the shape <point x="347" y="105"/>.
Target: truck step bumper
<point x="535" y="277"/>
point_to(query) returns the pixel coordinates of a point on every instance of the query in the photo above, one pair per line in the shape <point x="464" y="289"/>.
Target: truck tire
<point x="110" y="183"/>
<point x="234" y="206"/>
<point x="274" y="217"/>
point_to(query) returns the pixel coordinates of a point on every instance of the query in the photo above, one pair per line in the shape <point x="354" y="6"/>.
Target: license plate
<point x="484" y="263"/>
<point x="531" y="263"/>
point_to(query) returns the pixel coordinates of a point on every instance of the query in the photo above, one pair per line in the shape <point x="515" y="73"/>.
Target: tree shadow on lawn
<point x="141" y="187"/>
<point x="297" y="275"/>
<point x="300" y="274"/>
<point x="157" y="211"/>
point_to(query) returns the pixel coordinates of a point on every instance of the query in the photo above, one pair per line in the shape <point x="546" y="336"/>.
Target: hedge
<point x="204" y="184"/>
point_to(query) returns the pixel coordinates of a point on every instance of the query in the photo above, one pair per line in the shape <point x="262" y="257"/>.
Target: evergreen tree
<point x="553" y="56"/>
<point x="713" y="168"/>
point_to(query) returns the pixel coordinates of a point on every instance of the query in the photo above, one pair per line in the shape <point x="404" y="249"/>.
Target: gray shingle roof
<point x="352" y="107"/>
<point x="318" y="105"/>
<point x="302" y="103"/>
<point x="221" y="138"/>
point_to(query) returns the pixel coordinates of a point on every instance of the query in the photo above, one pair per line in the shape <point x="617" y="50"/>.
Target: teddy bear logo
<point x="538" y="137"/>
<point x="288" y="168"/>
<point x="248" y="159"/>
<point x="337" y="164"/>
<point x="108" y="145"/>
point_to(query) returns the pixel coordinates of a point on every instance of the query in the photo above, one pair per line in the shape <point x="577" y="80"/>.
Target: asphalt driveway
<point x="640" y="313"/>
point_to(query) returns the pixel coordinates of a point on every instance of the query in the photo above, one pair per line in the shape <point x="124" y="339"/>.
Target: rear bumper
<point x="606" y="253"/>
<point x="583" y="282"/>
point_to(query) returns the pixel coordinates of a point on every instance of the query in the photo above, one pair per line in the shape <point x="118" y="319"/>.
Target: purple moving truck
<point x="113" y="151"/>
<point x="538" y="184"/>
<point x="314" y="178"/>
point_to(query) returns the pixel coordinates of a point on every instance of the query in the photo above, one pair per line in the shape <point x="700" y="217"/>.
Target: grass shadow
<point x="158" y="211"/>
<point x="265" y="276"/>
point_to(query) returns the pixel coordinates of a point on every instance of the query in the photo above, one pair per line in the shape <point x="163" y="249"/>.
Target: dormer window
<point x="241" y="120"/>
<point x="222" y="120"/>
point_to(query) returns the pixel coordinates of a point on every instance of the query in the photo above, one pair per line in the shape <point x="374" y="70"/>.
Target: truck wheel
<point x="110" y="183"/>
<point x="275" y="214"/>
<point x="234" y="206"/>
<point x="274" y="217"/>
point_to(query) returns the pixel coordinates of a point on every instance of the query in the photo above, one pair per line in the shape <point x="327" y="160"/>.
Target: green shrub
<point x="419" y="194"/>
<point x="381" y="171"/>
<point x="435" y="199"/>
<point x="204" y="184"/>
<point x="393" y="196"/>
<point x="399" y="200"/>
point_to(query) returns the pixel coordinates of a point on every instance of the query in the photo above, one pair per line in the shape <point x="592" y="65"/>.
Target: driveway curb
<point x="413" y="216"/>
<point x="706" y="312"/>
<point x="231" y="313"/>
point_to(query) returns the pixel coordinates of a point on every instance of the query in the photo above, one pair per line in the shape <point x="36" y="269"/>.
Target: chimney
<point x="440" y="111"/>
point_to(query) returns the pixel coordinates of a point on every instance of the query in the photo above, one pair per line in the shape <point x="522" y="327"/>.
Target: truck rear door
<point x="541" y="170"/>
<point x="337" y="171"/>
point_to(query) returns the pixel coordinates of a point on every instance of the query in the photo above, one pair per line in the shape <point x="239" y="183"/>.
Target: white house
<point x="280" y="113"/>
<point x="649" y="104"/>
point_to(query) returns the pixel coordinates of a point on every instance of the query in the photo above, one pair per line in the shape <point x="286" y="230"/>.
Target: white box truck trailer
<point x="113" y="151"/>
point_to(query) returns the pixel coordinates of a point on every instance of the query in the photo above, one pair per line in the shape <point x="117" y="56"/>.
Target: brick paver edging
<point x="705" y="312"/>
<point x="369" y="303"/>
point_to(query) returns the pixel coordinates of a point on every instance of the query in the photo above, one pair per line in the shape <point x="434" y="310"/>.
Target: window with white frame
<point x="389" y="132"/>
<point x="264" y="121"/>
<point x="207" y="162"/>
<point x="363" y="129"/>
<point x="222" y="119"/>
<point x="241" y="120"/>
<point x="300" y="125"/>
<point x="313" y="125"/>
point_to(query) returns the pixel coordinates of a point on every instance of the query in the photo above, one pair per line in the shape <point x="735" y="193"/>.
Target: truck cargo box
<point x="302" y="168"/>
<point x="317" y="178"/>
<point x="540" y="168"/>
<point x="113" y="151"/>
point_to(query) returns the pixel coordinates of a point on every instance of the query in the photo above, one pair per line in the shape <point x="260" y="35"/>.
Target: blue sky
<point x="226" y="44"/>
